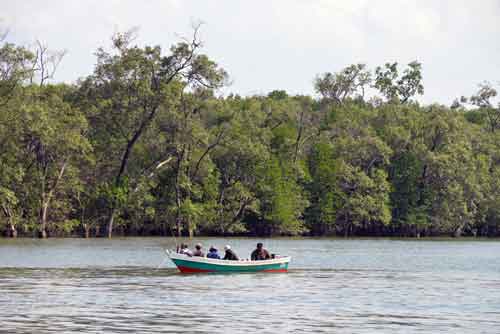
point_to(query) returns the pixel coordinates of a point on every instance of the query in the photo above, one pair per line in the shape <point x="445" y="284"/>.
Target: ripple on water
<point x="340" y="293"/>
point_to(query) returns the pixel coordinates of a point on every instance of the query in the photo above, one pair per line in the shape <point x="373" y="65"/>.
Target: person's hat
<point x="213" y="249"/>
<point x="226" y="247"/>
<point x="198" y="245"/>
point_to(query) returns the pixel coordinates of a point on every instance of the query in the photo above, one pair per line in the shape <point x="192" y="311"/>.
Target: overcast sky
<point x="271" y="44"/>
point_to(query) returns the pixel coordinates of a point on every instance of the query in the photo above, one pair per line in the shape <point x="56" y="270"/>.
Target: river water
<point x="333" y="286"/>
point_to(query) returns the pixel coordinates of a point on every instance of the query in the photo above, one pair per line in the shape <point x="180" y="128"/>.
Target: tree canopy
<point x="146" y="145"/>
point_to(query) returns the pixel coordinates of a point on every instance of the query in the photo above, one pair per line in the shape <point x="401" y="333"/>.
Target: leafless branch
<point x="3" y="35"/>
<point x="46" y="61"/>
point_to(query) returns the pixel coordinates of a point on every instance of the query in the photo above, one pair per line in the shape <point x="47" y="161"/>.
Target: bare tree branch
<point x="46" y="61"/>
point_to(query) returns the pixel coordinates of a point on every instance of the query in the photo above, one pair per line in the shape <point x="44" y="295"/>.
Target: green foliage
<point x="144" y="146"/>
<point x="483" y="100"/>
<point x="324" y="197"/>
<point x="408" y="203"/>
<point x="278" y="95"/>
<point x="280" y="197"/>
<point x="399" y="88"/>
<point x="364" y="199"/>
<point x="350" y="81"/>
<point x="16" y="67"/>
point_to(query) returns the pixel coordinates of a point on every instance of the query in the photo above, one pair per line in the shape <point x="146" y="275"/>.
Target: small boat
<point x="188" y="264"/>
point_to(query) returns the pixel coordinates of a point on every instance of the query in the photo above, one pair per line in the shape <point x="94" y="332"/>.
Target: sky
<point x="280" y="44"/>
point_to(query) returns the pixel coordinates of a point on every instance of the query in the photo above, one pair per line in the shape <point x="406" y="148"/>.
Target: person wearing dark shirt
<point x="260" y="253"/>
<point x="230" y="255"/>
<point x="198" y="251"/>
<point x="212" y="253"/>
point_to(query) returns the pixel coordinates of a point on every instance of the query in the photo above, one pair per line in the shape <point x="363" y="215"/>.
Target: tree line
<point x="143" y="145"/>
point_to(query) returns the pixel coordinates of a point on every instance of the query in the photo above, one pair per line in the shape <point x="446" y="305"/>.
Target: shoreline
<point x="339" y="238"/>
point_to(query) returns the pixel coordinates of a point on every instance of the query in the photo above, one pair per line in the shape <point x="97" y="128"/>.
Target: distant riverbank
<point x="276" y="237"/>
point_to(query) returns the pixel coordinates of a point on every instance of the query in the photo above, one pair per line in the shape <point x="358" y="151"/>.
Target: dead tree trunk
<point x="13" y="230"/>
<point x="86" y="228"/>
<point x="110" y="223"/>
<point x="43" y="220"/>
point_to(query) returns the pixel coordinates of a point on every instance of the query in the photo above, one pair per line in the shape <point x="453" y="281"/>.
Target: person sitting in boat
<point x="260" y="253"/>
<point x="230" y="254"/>
<point x="212" y="253"/>
<point x="198" y="251"/>
<point x="185" y="250"/>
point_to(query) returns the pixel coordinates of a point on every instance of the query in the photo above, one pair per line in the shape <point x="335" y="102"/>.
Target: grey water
<point x="128" y="285"/>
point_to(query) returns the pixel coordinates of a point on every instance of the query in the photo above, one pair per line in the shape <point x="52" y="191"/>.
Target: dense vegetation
<point x="144" y="146"/>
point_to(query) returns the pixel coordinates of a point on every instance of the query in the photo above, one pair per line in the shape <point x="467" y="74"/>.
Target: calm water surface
<point x="334" y="286"/>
